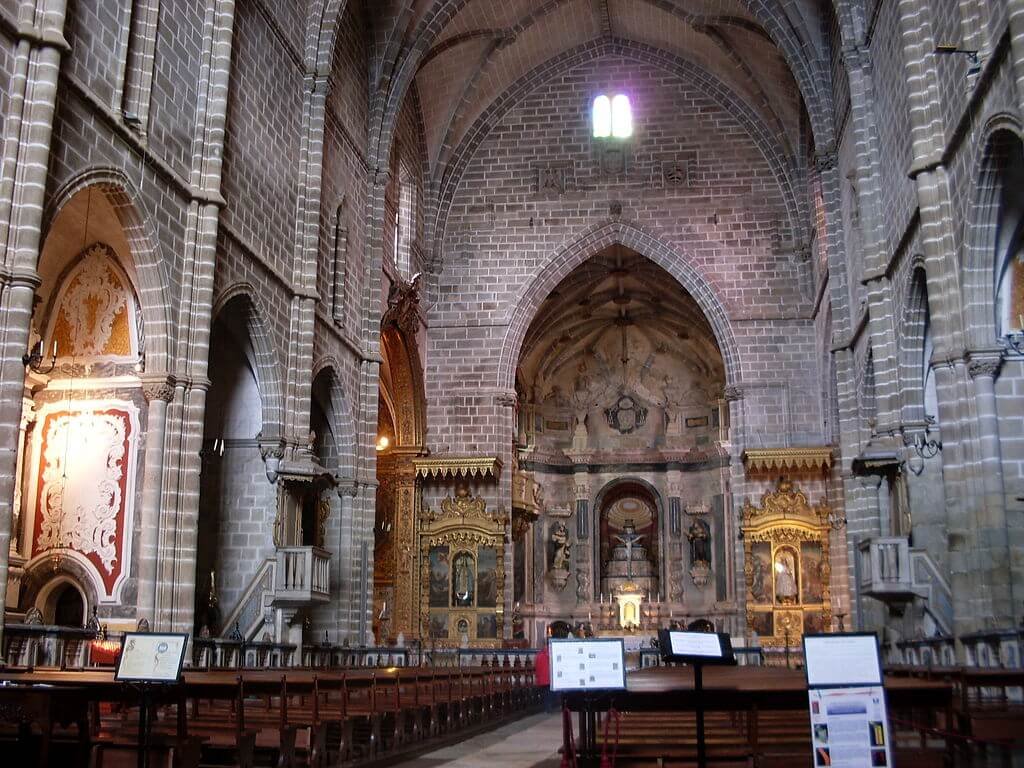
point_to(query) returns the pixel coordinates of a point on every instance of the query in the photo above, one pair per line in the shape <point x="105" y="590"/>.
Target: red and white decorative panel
<point x="83" y="487"/>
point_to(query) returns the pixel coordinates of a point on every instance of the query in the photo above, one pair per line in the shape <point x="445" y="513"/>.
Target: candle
<point x="55" y="348"/>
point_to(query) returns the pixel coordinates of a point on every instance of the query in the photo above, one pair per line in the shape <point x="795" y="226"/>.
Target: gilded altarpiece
<point x="787" y="566"/>
<point x="462" y="573"/>
<point x="395" y="582"/>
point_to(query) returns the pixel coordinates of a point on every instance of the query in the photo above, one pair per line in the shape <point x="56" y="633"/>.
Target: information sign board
<point x="151" y="657"/>
<point x="587" y="665"/>
<point x="849" y="727"/>
<point x="842" y="659"/>
<point x="696" y="647"/>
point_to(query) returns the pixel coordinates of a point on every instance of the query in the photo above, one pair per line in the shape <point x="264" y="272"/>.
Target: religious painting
<point x="463" y="580"/>
<point x="814" y="622"/>
<point x="486" y="626"/>
<point x="786" y="576"/>
<point x="438" y="559"/>
<point x="761" y="558"/>
<point x="439" y="623"/>
<point x="487" y="577"/>
<point x="761" y="622"/>
<point x="813" y="581"/>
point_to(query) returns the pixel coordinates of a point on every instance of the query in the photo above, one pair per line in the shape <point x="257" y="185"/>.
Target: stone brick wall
<point x="726" y="223"/>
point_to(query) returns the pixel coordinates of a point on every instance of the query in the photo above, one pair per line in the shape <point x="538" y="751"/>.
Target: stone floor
<point x="531" y="742"/>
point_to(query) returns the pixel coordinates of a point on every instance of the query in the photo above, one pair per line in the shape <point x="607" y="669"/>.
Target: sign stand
<point x="588" y="667"/>
<point x="148" y="660"/>
<point x="697" y="649"/>
<point x="849" y="723"/>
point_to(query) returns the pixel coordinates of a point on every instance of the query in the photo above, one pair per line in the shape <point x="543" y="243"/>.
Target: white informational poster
<point x="705" y="644"/>
<point x="848" y="727"/>
<point x="842" y="660"/>
<point x="151" y="658"/>
<point x="587" y="665"/>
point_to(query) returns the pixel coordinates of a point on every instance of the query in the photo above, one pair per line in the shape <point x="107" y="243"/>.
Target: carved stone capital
<point x="984" y="365"/>
<point x="732" y="393"/>
<point x="157" y="388"/>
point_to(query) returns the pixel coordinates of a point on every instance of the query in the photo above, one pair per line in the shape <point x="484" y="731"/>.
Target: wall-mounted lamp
<point x="838" y="522"/>
<point x="1015" y="340"/>
<point x="926" y="446"/>
<point x="383" y="442"/>
<point x="948" y="49"/>
<point x="34" y="359"/>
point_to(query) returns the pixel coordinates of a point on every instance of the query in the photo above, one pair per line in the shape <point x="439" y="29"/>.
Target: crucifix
<point x="629" y="538"/>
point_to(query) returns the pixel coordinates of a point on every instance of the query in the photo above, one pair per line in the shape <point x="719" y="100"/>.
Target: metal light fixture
<point x="974" y="64"/>
<point x="1015" y="341"/>
<point x="33" y="360"/>
<point x="837" y="521"/>
<point x="926" y="446"/>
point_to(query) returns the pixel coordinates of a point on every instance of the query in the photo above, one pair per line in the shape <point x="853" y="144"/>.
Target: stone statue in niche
<point x="699" y="535"/>
<point x="561" y="550"/>
<point x="561" y="547"/>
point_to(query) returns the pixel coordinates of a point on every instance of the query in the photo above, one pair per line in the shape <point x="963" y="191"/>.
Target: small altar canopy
<point x="807" y="459"/>
<point x="433" y="467"/>
<point x="629" y="596"/>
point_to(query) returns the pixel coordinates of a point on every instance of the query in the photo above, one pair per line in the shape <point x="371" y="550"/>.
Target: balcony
<point x="302" y="576"/>
<point x="886" y="570"/>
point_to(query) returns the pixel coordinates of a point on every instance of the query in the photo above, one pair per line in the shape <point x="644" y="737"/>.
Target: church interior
<point x="373" y="329"/>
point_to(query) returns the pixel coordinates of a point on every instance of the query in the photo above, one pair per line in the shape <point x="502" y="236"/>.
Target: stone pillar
<point x="1017" y="48"/>
<point x="159" y="391"/>
<point x="28" y="128"/>
<point x="345" y="563"/>
<point x="990" y="523"/>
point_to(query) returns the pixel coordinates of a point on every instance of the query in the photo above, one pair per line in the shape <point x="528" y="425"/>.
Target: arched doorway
<point x="237" y="498"/>
<point x="400" y="438"/>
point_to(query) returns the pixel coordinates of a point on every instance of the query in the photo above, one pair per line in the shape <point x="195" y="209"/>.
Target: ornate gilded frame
<point x="785" y="520"/>
<point x="463" y="525"/>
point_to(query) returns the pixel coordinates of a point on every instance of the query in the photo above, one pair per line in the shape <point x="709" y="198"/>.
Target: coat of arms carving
<point x="626" y="415"/>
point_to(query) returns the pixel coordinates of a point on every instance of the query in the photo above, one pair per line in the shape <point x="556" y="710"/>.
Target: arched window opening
<point x="622" y="117"/>
<point x="612" y="117"/>
<point x="602" y="117"/>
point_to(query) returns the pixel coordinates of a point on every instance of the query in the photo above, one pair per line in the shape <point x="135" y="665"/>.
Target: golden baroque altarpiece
<point x="787" y="566"/>
<point x="462" y="572"/>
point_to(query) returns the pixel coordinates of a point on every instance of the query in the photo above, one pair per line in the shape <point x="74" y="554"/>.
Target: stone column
<point x="990" y="523"/>
<point x="28" y="128"/>
<point x="1017" y="48"/>
<point x="159" y="391"/>
<point x="345" y="563"/>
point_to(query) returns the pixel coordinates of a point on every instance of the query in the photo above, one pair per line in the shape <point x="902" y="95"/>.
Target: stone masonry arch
<point x="149" y="265"/>
<point x="540" y="285"/>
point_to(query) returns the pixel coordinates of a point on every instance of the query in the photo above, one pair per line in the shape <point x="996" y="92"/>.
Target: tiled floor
<point x="532" y="742"/>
